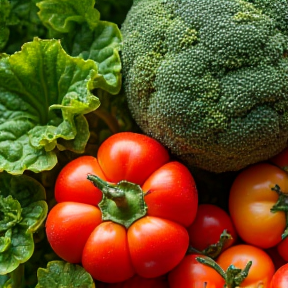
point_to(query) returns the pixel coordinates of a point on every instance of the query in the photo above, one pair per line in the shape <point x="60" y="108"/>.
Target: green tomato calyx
<point x="281" y="206"/>
<point x="122" y="203"/>
<point x="214" y="250"/>
<point x="233" y="276"/>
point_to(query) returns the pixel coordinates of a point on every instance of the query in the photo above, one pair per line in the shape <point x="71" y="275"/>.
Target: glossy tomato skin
<point x="156" y="245"/>
<point x="68" y="227"/>
<point x="250" y="201"/>
<point x="282" y="249"/>
<point x="208" y="225"/>
<point x="72" y="184"/>
<point x="191" y="273"/>
<point x="281" y="159"/>
<point x="172" y="193"/>
<point x="261" y="271"/>
<point x="164" y="239"/>
<point x="106" y="253"/>
<point x="280" y="278"/>
<point x="137" y="282"/>
<point x="131" y="156"/>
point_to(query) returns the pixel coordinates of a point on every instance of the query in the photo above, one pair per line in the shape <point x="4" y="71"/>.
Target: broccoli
<point x="209" y="78"/>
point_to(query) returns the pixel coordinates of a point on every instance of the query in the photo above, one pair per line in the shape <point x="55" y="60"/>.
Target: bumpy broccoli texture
<point x="209" y="78"/>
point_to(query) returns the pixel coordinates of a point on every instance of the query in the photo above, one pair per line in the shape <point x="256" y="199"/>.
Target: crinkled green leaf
<point x="20" y="247"/>
<point x="33" y="216"/>
<point x="61" y="16"/>
<point x="22" y="22"/>
<point x="42" y="91"/>
<point x="5" y="9"/>
<point x="60" y="274"/>
<point x="23" y="188"/>
<point x="10" y="210"/>
<point x="86" y="36"/>
<point x="22" y="212"/>
<point x="5" y="281"/>
<point x="5" y="241"/>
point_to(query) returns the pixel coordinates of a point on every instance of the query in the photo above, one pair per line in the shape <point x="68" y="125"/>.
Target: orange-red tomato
<point x="282" y="249"/>
<point x="261" y="271"/>
<point x="281" y="159"/>
<point x="280" y="278"/>
<point x="191" y="273"/>
<point x="209" y="224"/>
<point x="250" y="202"/>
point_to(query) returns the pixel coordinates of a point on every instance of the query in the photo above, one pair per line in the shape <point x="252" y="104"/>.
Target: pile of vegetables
<point x="143" y="143"/>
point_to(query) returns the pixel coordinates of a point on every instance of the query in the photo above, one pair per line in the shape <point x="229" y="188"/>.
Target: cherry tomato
<point x="149" y="243"/>
<point x="208" y="225"/>
<point x="261" y="271"/>
<point x="281" y="159"/>
<point x="280" y="278"/>
<point x="282" y="249"/>
<point x="191" y="273"/>
<point x="250" y="202"/>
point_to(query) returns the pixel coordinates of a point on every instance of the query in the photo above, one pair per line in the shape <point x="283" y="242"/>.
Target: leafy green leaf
<point x="82" y="33"/>
<point x="4" y="31"/>
<point x="11" y="213"/>
<point x="65" y="275"/>
<point x="19" y="222"/>
<point x="24" y="189"/>
<point x="21" y="23"/>
<point x="61" y="16"/>
<point x="42" y="91"/>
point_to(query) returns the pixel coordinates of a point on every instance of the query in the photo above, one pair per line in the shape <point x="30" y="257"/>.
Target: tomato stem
<point x="233" y="276"/>
<point x="213" y="250"/>
<point x="281" y="206"/>
<point x="122" y="203"/>
<point x="111" y="191"/>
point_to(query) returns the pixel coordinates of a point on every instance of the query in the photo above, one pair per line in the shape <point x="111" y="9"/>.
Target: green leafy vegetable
<point x="65" y="275"/>
<point x="22" y="211"/>
<point x="20" y="23"/>
<point x="82" y="33"/>
<point x="4" y="31"/>
<point x="43" y="95"/>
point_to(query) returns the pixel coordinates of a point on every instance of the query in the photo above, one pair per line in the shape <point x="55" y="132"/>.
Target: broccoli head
<point x="209" y="78"/>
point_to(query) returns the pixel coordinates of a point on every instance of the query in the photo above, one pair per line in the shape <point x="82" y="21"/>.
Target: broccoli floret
<point x="209" y="78"/>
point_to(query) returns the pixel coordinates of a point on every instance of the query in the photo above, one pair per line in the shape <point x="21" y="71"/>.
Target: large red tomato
<point x="250" y="202"/>
<point x="142" y="231"/>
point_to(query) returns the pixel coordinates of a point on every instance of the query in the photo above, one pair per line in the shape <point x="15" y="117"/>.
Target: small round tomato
<point x="281" y="159"/>
<point x="250" y="201"/>
<point x="280" y="278"/>
<point x="282" y="249"/>
<point x="261" y="271"/>
<point x="209" y="224"/>
<point x="191" y="273"/>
